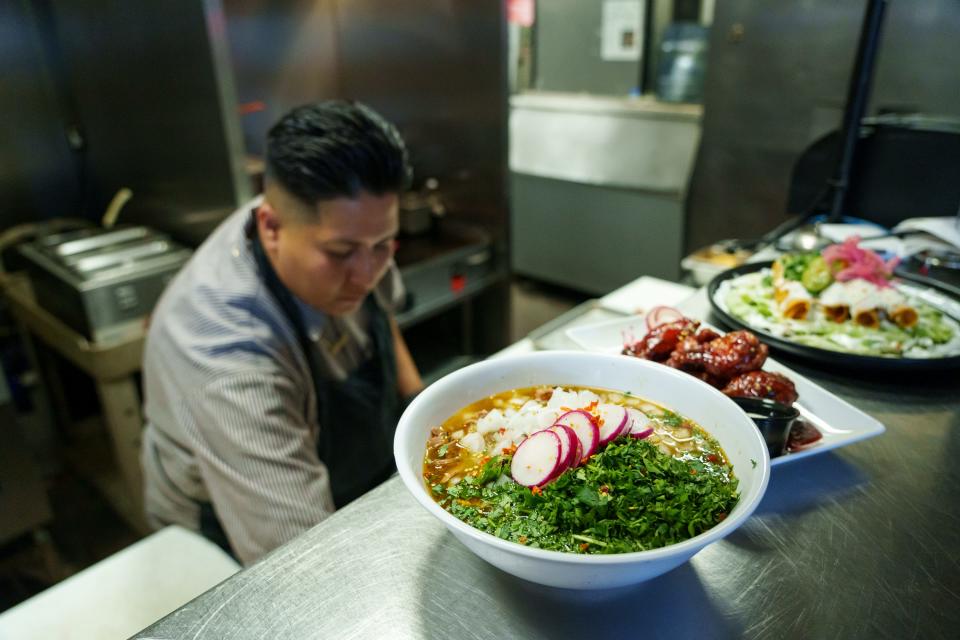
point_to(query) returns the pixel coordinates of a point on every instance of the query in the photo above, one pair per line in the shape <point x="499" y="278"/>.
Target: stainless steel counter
<point x="862" y="542"/>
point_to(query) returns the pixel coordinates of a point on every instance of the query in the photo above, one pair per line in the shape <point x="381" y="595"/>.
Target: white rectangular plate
<point x="839" y="421"/>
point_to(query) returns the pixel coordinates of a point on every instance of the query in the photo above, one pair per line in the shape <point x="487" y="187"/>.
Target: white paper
<point x="622" y="30"/>
<point x="945" y="228"/>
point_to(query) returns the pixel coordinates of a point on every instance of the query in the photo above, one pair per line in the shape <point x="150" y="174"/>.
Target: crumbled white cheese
<point x="473" y="441"/>
<point x="491" y="422"/>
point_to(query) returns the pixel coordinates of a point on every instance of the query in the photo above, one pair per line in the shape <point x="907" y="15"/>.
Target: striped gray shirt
<point x="229" y="401"/>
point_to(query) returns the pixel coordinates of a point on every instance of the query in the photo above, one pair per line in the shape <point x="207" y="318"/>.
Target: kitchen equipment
<point x="452" y="262"/>
<point x="421" y="209"/>
<point x="102" y="283"/>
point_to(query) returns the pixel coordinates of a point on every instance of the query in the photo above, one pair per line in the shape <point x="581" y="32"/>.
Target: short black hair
<point x="334" y="149"/>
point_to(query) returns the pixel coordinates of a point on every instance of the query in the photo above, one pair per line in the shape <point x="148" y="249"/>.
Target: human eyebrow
<point x="345" y="244"/>
<point x="339" y="244"/>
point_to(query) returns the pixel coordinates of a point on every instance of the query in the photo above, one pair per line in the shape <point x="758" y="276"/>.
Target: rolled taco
<point x="835" y="303"/>
<point x="852" y="300"/>
<point x="794" y="300"/>
<point x="866" y="317"/>
<point x="865" y="311"/>
<point x="896" y="307"/>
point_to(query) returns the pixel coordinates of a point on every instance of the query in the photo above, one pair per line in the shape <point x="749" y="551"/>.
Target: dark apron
<point x="357" y="416"/>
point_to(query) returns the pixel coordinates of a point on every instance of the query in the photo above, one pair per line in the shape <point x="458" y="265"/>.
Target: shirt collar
<point x="314" y="321"/>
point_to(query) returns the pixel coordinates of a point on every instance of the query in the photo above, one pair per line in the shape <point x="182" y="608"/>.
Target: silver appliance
<point x="102" y="283"/>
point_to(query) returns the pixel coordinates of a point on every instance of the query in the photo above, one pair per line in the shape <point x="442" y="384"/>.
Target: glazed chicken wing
<point x="733" y="354"/>
<point x="660" y="341"/>
<point x="763" y="384"/>
<point x="723" y="358"/>
<point x="728" y="362"/>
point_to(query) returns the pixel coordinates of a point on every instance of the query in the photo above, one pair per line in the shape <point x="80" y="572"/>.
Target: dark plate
<point x="826" y="356"/>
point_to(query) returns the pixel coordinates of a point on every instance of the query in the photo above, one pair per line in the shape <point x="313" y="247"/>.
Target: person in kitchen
<point x="274" y="370"/>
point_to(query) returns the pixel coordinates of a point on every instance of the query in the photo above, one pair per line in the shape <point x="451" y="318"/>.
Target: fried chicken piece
<point x="706" y="335"/>
<point x="732" y="354"/>
<point x="728" y="362"/>
<point x="762" y="384"/>
<point x="688" y="357"/>
<point x="707" y="377"/>
<point x="660" y="341"/>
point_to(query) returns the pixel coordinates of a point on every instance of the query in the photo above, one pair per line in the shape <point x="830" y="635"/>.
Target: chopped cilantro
<point x="794" y="264"/>
<point x="629" y="497"/>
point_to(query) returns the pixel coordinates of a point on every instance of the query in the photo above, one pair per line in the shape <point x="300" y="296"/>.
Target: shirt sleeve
<point x="258" y="459"/>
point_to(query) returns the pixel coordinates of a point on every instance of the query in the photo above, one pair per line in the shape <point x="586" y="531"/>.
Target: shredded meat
<point x="543" y="394"/>
<point x="437" y="437"/>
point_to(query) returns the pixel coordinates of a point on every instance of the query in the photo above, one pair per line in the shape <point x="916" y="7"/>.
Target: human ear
<point x="268" y="226"/>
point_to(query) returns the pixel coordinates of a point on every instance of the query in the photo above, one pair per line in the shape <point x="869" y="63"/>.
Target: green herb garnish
<point x="794" y="264"/>
<point x="629" y="497"/>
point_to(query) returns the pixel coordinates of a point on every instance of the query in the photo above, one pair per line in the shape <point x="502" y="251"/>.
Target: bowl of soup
<point x="581" y="470"/>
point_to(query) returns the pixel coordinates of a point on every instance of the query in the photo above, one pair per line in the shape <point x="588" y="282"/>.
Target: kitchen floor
<point x="85" y="529"/>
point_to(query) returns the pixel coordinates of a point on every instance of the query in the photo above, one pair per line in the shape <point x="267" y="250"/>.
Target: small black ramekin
<point x="772" y="418"/>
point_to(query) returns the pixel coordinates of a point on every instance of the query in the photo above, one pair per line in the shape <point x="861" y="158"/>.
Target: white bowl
<point x="676" y="390"/>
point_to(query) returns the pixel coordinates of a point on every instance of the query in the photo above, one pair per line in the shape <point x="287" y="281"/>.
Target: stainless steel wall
<point x="777" y="80"/>
<point x="152" y="87"/>
<point x="38" y="172"/>
<point x="436" y="68"/>
<point x="283" y="54"/>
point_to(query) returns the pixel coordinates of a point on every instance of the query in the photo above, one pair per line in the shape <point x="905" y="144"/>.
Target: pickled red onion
<point x="859" y="263"/>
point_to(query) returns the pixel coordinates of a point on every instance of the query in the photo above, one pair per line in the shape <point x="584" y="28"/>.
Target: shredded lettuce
<point x="749" y="298"/>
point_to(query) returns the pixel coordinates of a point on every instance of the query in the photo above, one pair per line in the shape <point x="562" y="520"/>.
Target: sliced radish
<point x="578" y="452"/>
<point x="613" y="422"/>
<point x="586" y="429"/>
<point x="640" y="425"/>
<point x="536" y="460"/>
<point x="568" y="445"/>
<point x="661" y="315"/>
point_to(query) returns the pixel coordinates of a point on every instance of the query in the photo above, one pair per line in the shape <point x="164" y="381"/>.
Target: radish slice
<point x="640" y="425"/>
<point x="568" y="445"/>
<point x="536" y="459"/>
<point x="613" y="422"/>
<point x="662" y="314"/>
<point x="577" y="453"/>
<point x="586" y="429"/>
